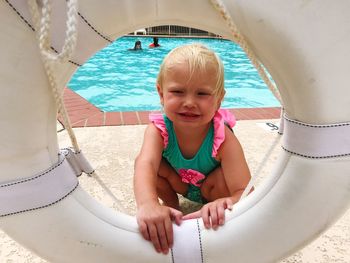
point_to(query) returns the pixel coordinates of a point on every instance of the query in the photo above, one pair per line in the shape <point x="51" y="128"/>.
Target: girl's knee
<point x="162" y="183"/>
<point x="171" y="183"/>
<point x="165" y="170"/>
<point x="166" y="193"/>
<point x="206" y="189"/>
<point x="215" y="186"/>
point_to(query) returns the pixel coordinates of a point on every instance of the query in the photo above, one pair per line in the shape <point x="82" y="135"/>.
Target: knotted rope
<point x="41" y="22"/>
<point x="51" y="60"/>
<point x="240" y="40"/>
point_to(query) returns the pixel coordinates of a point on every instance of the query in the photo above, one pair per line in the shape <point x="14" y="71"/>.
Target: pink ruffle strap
<point x="221" y="118"/>
<point x="158" y="120"/>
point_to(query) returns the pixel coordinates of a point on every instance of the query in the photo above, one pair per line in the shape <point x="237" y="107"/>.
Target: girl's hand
<point x="213" y="213"/>
<point x="155" y="225"/>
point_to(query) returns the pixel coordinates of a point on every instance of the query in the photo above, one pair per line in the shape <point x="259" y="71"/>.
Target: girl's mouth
<point x="189" y="115"/>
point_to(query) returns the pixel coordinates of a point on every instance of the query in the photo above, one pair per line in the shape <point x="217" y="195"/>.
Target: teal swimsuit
<point x="194" y="170"/>
<point x="202" y="162"/>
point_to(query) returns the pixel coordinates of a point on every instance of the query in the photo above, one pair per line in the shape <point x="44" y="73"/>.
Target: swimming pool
<point x="116" y="79"/>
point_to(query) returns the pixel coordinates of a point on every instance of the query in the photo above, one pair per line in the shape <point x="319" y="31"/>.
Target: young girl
<point x="190" y="150"/>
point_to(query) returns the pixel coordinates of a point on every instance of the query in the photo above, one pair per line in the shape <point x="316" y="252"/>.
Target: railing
<point x="172" y="30"/>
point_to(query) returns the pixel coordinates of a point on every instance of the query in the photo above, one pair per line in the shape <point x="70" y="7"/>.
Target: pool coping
<point x="84" y="114"/>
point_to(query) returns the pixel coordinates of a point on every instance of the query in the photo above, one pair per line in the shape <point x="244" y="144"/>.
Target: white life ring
<point x="305" y="47"/>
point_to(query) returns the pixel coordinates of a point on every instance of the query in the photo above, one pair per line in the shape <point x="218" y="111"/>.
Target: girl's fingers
<point x="221" y="215"/>
<point x="229" y="203"/>
<point x="169" y="238"/>
<point x="176" y="215"/>
<point x="143" y="230"/>
<point x="205" y="216"/>
<point x="214" y="216"/>
<point x="152" y="229"/>
<point x="163" y="238"/>
<point x="193" y="215"/>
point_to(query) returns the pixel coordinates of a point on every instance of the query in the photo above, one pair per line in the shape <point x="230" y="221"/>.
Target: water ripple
<point x="116" y="79"/>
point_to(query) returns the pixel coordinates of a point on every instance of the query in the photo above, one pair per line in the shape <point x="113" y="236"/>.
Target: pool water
<point x="116" y="79"/>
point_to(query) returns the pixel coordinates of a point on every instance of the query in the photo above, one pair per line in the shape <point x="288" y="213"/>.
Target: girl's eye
<point x="204" y="94"/>
<point x="176" y="91"/>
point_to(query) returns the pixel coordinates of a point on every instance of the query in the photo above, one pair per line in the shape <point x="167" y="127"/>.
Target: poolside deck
<point x="84" y="114"/>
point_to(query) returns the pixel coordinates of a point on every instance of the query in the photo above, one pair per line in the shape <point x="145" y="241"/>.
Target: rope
<point x="252" y="181"/>
<point x="50" y="60"/>
<point x="240" y="40"/>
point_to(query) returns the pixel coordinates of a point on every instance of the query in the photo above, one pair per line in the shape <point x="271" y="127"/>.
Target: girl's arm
<point x="146" y="167"/>
<point x="234" y="165"/>
<point x="154" y="220"/>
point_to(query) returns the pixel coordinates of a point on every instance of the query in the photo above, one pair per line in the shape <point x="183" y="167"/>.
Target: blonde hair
<point x="200" y="59"/>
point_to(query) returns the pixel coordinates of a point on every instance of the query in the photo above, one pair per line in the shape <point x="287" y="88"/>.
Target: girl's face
<point x="189" y="100"/>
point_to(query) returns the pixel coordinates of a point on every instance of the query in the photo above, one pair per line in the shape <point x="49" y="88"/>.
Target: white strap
<point x="316" y="141"/>
<point x="79" y="163"/>
<point x="187" y="243"/>
<point x="39" y="191"/>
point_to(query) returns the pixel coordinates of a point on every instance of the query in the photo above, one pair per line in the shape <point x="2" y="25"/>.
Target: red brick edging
<point x="84" y="114"/>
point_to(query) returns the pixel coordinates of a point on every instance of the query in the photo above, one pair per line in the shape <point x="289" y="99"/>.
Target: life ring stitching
<point x="33" y="29"/>
<point x="200" y="240"/>
<point x="172" y="255"/>
<point x="36" y="208"/>
<point x="317" y="126"/>
<point x="20" y="15"/>
<point x="316" y="157"/>
<point x="35" y="177"/>
<point x="94" y="29"/>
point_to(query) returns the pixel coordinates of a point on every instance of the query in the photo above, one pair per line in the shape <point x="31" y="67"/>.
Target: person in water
<point x="137" y="46"/>
<point x="189" y="150"/>
<point x="155" y="43"/>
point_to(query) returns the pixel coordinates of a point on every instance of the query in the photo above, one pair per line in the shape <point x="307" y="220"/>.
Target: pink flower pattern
<point x="190" y="176"/>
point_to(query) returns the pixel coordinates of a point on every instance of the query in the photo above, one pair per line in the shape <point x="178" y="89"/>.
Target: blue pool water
<point x="116" y="79"/>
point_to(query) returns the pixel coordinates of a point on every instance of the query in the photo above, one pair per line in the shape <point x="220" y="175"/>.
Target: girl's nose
<point x="189" y="101"/>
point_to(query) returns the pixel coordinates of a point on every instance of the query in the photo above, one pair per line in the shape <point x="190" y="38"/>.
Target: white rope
<point x="42" y="26"/>
<point x="239" y="39"/>
<point x="43" y="23"/>
<point x="51" y="60"/>
<point x="254" y="177"/>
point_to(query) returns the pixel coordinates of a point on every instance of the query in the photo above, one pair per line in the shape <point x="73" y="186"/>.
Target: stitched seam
<point x="316" y="157"/>
<point x="316" y="126"/>
<point x="33" y="29"/>
<point x="35" y="177"/>
<point x="94" y="29"/>
<point x="172" y="255"/>
<point x="44" y="206"/>
<point x="200" y="240"/>
<point x="19" y="14"/>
